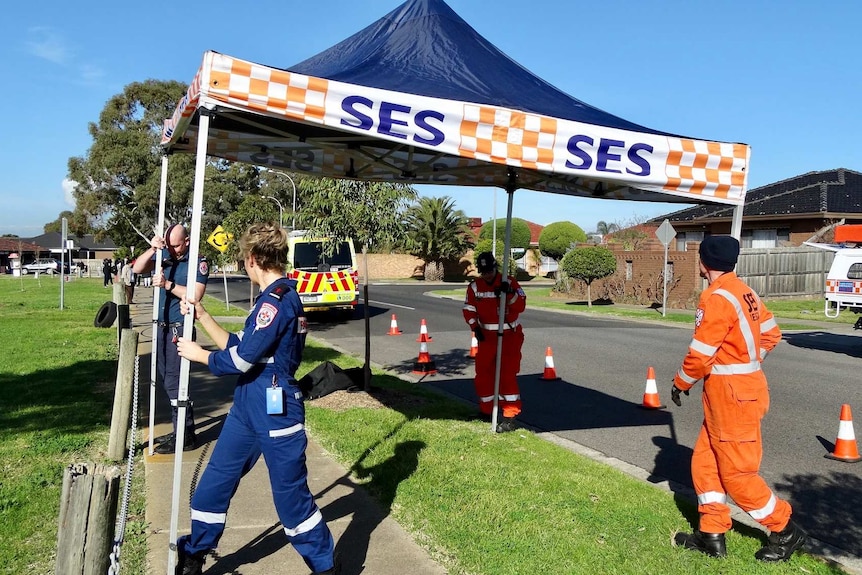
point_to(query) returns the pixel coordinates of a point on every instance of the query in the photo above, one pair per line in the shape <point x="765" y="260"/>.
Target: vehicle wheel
<point x="107" y="315"/>
<point x="23" y="271"/>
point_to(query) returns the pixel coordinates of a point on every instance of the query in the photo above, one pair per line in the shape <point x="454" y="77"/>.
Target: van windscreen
<point x="310" y="256"/>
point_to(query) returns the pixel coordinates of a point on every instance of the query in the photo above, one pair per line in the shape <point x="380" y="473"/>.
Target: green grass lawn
<point x="480" y="503"/>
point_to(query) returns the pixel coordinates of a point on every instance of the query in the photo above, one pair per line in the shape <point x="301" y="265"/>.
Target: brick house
<point x="781" y="214"/>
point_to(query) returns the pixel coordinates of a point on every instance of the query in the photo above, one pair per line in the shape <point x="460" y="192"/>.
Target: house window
<point x="763" y="238"/>
<point x="782" y="236"/>
<point x="683" y="237"/>
<point x="628" y="269"/>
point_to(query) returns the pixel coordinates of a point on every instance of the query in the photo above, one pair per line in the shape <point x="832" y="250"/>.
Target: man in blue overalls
<point x="172" y="281"/>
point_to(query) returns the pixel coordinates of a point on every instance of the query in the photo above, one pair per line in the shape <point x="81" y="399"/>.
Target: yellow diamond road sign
<point x="219" y="239"/>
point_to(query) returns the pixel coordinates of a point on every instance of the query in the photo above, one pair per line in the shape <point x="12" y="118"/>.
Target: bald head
<point x="178" y="240"/>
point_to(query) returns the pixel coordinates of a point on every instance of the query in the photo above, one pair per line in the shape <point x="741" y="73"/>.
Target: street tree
<point x="371" y="213"/>
<point x="484" y="245"/>
<point x="77" y="224"/>
<point x="521" y="236"/>
<point x="117" y="181"/>
<point x="557" y="239"/>
<point x="589" y="264"/>
<point x="437" y="232"/>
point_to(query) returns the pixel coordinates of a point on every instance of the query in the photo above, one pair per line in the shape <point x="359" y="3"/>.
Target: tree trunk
<point x="434" y="271"/>
<point x="589" y="297"/>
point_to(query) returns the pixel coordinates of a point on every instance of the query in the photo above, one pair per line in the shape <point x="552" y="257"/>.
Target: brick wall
<point x="638" y="277"/>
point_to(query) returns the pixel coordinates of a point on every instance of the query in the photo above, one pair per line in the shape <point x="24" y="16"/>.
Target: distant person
<point x="733" y="332"/>
<point x="107" y="272"/>
<point x="482" y="313"/>
<point x="267" y="416"/>
<point x="128" y="277"/>
<point x="172" y="281"/>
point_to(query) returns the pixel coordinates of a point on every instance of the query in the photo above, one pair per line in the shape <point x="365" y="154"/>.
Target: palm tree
<point x="604" y="228"/>
<point x="437" y="232"/>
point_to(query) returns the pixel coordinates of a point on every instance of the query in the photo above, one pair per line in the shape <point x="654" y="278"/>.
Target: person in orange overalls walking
<point x="733" y="332"/>
<point x="482" y="312"/>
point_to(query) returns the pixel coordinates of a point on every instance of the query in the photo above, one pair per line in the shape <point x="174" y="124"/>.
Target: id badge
<point x="274" y="401"/>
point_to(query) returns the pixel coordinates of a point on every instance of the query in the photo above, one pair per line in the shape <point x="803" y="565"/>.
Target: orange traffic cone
<point x="550" y="371"/>
<point x="474" y="345"/>
<point x="651" y="400"/>
<point x="424" y="365"/>
<point x="423" y="333"/>
<point x="845" y="445"/>
<point x="393" y="327"/>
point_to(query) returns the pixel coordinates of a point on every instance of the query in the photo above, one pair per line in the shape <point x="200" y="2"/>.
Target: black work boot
<point x="507" y="424"/>
<point x="781" y="545"/>
<point x="710" y="543"/>
<point x="169" y="446"/>
<point x="189" y="564"/>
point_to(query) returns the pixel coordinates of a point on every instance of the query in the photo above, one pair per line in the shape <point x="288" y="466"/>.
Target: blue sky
<point x="780" y="76"/>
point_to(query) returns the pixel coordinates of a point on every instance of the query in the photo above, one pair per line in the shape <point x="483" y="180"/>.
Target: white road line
<point x="390" y="304"/>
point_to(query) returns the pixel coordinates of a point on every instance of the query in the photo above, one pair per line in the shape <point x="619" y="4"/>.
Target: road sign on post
<point x="665" y="234"/>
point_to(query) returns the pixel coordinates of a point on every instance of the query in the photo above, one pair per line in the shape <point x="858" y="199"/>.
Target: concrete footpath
<point x="367" y="540"/>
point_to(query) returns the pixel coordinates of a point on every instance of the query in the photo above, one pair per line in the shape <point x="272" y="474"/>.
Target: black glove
<point x="479" y="335"/>
<point x="504" y="287"/>
<point x="674" y="395"/>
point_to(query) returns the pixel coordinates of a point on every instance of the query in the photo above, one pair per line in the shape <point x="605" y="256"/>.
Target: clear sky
<point x="782" y="76"/>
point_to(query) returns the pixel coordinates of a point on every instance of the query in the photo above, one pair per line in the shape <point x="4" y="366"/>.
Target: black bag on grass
<point x="328" y="377"/>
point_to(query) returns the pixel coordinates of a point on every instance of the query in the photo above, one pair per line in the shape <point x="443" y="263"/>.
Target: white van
<point x="324" y="281"/>
<point x="843" y="288"/>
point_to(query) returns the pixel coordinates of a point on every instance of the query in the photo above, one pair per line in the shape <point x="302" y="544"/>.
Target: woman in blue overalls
<point x="267" y="416"/>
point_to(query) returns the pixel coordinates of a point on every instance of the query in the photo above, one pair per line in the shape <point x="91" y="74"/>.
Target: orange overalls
<point x="733" y="333"/>
<point x="482" y="312"/>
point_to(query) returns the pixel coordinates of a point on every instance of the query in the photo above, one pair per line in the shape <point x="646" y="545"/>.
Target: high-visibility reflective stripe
<point x="306" y="525"/>
<point x="239" y="362"/>
<point x="768" y="325"/>
<point x="510" y="397"/>
<point x="495" y="326"/>
<point x="486" y="398"/>
<point x="469" y="307"/>
<point x="744" y="326"/>
<point x="514" y="298"/>
<point x="286" y="431"/>
<point x="685" y="377"/>
<point x="471" y="321"/>
<point x="705" y="349"/>
<point x="206" y="517"/>
<point x="763" y="353"/>
<point x="766" y="510"/>
<point x="736" y="368"/>
<point x="711" y="497"/>
<point x="485" y="294"/>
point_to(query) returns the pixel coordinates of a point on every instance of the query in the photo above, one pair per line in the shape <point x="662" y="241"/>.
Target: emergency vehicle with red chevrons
<point x="327" y="275"/>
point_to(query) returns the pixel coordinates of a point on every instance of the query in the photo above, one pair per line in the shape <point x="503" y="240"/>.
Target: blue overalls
<point x="265" y="353"/>
<point x="169" y="328"/>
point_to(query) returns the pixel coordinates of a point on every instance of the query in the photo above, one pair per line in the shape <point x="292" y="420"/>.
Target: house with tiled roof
<point x="786" y="213"/>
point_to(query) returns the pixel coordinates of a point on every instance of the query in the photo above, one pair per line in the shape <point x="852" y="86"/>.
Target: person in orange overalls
<point x="733" y="333"/>
<point x="482" y="313"/>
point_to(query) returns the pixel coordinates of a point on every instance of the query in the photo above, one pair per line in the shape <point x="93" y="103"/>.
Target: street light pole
<point x="280" y="209"/>
<point x="289" y="179"/>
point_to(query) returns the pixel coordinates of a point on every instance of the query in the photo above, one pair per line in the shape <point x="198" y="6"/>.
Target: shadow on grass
<point x="74" y="399"/>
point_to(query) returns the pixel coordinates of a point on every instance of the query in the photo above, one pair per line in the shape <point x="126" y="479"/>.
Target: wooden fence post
<point x="88" y="510"/>
<point x="123" y="395"/>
